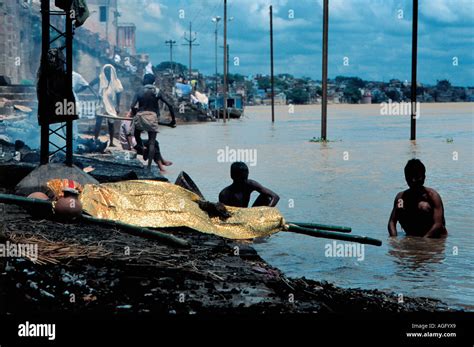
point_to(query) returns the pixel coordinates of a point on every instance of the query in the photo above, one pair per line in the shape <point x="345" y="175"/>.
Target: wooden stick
<point x="323" y="227"/>
<point x="138" y="231"/>
<point x="23" y="202"/>
<point x="130" y="229"/>
<point x="333" y="235"/>
<point x="130" y="119"/>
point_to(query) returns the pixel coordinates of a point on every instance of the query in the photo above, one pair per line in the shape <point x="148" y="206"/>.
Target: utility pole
<point x="171" y="43"/>
<point x="216" y="20"/>
<point x="414" y="58"/>
<point x="225" y="62"/>
<point x="272" y="79"/>
<point x="324" y="103"/>
<point x="228" y="59"/>
<point x="190" y="42"/>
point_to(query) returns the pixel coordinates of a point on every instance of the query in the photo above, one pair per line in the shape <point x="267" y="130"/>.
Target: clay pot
<point x="68" y="207"/>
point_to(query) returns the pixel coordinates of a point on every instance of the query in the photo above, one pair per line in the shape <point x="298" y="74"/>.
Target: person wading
<point x="419" y="209"/>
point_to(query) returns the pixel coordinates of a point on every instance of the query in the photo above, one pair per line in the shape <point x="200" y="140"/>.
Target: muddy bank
<point x="90" y="269"/>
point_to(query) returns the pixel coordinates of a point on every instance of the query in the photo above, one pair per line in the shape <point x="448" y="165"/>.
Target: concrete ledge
<point x="36" y="181"/>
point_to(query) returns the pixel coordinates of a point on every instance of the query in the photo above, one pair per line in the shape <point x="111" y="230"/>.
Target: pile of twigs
<point x="54" y="252"/>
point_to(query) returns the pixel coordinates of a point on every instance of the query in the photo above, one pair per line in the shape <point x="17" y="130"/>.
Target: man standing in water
<point x="238" y="193"/>
<point x="419" y="209"/>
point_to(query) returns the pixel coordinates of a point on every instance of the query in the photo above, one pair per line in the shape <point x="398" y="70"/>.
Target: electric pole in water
<point x="225" y="61"/>
<point x="190" y="42"/>
<point x="414" y="62"/>
<point x="324" y="102"/>
<point x="171" y="43"/>
<point x="272" y="78"/>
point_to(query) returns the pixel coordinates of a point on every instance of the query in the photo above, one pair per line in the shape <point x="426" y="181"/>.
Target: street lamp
<point x="216" y="20"/>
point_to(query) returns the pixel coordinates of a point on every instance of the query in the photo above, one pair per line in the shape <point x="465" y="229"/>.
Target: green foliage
<point x="443" y="85"/>
<point x="351" y="81"/>
<point x="298" y="96"/>
<point x="352" y="94"/>
<point x="166" y="65"/>
<point x="264" y="83"/>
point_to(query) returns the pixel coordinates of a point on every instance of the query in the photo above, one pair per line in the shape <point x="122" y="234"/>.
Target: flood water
<point x="317" y="184"/>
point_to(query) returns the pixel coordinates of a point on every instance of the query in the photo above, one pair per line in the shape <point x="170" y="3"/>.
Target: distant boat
<point x="235" y="107"/>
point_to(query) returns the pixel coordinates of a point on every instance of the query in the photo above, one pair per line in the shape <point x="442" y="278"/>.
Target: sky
<point x="370" y="39"/>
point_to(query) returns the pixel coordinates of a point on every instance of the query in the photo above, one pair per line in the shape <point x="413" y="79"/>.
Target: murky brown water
<point x="357" y="192"/>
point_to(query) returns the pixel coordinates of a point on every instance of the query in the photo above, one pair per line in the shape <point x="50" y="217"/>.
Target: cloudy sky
<point x="373" y="37"/>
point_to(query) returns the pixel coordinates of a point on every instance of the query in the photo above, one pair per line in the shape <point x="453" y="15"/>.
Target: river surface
<point x="351" y="180"/>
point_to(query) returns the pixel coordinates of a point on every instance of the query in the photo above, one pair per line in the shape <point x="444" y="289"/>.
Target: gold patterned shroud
<point x="155" y="204"/>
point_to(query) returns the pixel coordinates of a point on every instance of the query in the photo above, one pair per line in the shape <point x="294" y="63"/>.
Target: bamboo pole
<point x="323" y="227"/>
<point x="138" y="231"/>
<point x="333" y="235"/>
<point x="130" y="229"/>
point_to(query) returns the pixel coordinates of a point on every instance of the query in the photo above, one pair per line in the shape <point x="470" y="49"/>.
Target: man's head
<point x="148" y="79"/>
<point x="239" y="172"/>
<point x="415" y="174"/>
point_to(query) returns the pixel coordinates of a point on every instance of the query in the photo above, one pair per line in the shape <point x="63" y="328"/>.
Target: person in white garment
<point x="110" y="89"/>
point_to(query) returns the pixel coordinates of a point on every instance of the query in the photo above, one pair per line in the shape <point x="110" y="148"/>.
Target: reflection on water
<point x="416" y="255"/>
<point x="358" y="192"/>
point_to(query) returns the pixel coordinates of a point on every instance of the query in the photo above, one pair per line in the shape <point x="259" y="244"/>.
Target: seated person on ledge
<point x="238" y="193"/>
<point x="419" y="209"/>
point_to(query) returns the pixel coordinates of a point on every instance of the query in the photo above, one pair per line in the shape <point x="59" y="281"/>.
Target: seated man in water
<point x="238" y="193"/>
<point x="419" y="209"/>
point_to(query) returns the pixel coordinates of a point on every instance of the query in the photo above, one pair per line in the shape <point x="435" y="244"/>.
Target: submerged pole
<point x="272" y="78"/>
<point x="324" y="103"/>
<point x="414" y="57"/>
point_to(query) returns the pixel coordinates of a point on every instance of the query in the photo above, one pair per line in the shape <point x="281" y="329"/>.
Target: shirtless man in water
<point x="238" y="193"/>
<point x="419" y="209"/>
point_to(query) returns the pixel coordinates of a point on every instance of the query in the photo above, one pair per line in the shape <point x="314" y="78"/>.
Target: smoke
<point x="25" y="128"/>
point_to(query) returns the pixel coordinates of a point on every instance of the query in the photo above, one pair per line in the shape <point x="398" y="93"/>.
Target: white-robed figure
<point x="110" y="89"/>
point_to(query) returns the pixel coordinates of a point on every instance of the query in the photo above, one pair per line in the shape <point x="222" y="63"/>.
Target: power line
<point x="190" y="42"/>
<point x="171" y="44"/>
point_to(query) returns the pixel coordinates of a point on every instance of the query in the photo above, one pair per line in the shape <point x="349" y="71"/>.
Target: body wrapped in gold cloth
<point x="155" y="204"/>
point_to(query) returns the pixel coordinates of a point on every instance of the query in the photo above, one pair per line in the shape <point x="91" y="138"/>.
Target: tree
<point x="352" y="94"/>
<point x="393" y="95"/>
<point x="231" y="78"/>
<point x="264" y="83"/>
<point x="298" y="96"/>
<point x="443" y="85"/>
<point x="167" y="65"/>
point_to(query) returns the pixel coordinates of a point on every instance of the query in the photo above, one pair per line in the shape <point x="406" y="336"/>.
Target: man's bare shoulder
<point x="433" y="194"/>
<point x="401" y="194"/>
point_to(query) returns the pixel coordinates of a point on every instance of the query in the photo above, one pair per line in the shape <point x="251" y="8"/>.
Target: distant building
<point x="366" y="98"/>
<point x="126" y="38"/>
<point x="103" y="20"/>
